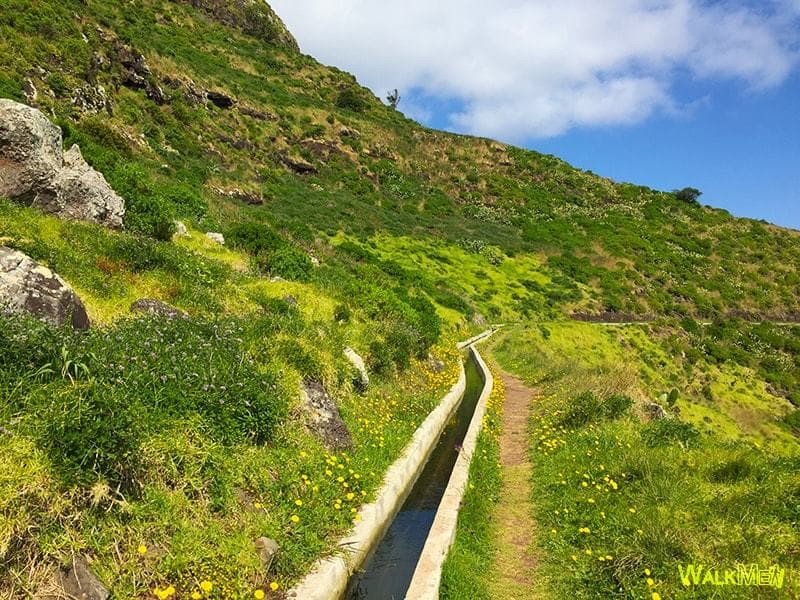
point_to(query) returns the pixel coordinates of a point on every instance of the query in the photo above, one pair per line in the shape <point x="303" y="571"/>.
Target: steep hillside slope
<point x="284" y="140"/>
<point x="161" y="449"/>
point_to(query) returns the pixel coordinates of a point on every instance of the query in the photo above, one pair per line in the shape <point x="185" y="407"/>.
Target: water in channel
<point x="387" y="573"/>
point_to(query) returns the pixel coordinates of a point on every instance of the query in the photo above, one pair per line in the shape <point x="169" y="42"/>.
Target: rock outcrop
<point x="324" y="417"/>
<point x="267" y="549"/>
<point x="79" y="582"/>
<point x="655" y="411"/>
<point x="27" y="286"/>
<point x="30" y="153"/>
<point x="84" y="194"/>
<point x="253" y="17"/>
<point x="35" y="170"/>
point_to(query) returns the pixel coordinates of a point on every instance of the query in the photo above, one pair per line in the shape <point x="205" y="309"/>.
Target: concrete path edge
<point x="329" y="577"/>
<point x="428" y="574"/>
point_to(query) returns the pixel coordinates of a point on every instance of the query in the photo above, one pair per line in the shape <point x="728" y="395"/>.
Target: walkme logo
<point x="743" y="575"/>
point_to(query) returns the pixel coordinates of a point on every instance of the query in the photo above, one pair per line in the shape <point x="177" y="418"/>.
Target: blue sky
<point x="665" y="93"/>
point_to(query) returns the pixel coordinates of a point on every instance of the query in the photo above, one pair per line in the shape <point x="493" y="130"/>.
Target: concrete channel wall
<point x="329" y="577"/>
<point x="428" y="574"/>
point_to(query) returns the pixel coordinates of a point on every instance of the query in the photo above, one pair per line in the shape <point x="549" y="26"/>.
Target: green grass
<point x="553" y="238"/>
<point x="200" y="459"/>
<point x="417" y="232"/>
<point x="619" y="496"/>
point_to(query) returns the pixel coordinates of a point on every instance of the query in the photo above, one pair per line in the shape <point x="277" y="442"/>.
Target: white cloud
<point x="524" y="68"/>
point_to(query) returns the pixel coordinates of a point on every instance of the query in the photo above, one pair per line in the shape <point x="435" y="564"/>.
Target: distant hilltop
<point x="253" y="17"/>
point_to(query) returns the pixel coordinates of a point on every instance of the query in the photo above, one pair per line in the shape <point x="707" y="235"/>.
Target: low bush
<point x="351" y="99"/>
<point x="668" y="431"/>
<point x="290" y="263"/>
<point x="588" y="407"/>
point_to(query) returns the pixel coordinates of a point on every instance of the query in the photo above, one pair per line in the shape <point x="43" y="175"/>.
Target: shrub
<point x="586" y="408"/>
<point x="352" y="99"/>
<point x="254" y="238"/>
<point x="147" y="211"/>
<point x="793" y="421"/>
<point x="672" y="398"/>
<point x="290" y="263"/>
<point x="667" y="431"/>
<point x="615" y="406"/>
<point x="341" y="314"/>
<point x="301" y="358"/>
<point x="379" y="359"/>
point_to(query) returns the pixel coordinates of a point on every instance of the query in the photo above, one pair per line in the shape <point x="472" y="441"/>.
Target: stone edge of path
<point x="330" y="576"/>
<point x="428" y="574"/>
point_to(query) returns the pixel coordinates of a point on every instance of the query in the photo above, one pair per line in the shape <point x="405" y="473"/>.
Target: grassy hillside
<point x="161" y="450"/>
<point x="620" y="501"/>
<point x="597" y="245"/>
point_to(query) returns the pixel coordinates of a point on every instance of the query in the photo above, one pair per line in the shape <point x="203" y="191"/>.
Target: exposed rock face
<point x="299" y="165"/>
<point x="30" y="152"/>
<point x="326" y="422"/>
<point x="243" y="196"/>
<point x="259" y="115"/>
<point x="254" y="17"/>
<point x="27" y="286"/>
<point x="151" y="306"/>
<point x="79" y="582"/>
<point x="84" y="193"/>
<point x="35" y="170"/>
<point x="436" y="365"/>
<point x="92" y="99"/>
<point x="360" y="365"/>
<point x="219" y="99"/>
<point x="349" y="132"/>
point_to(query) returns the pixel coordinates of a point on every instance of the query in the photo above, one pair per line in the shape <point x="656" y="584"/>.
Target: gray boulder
<point x="324" y="417"/>
<point x="79" y="582"/>
<point x="267" y="551"/>
<point x="35" y="170"/>
<point x="158" y="308"/>
<point x="30" y="153"/>
<point x="360" y="366"/>
<point x="27" y="286"/>
<point x="655" y="411"/>
<point x="84" y="194"/>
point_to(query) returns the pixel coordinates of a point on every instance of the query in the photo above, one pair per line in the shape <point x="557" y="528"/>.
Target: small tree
<point x="350" y="99"/>
<point x="689" y="195"/>
<point x="393" y="98"/>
